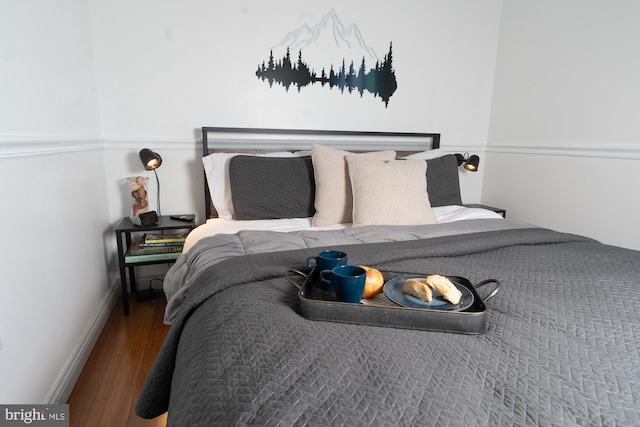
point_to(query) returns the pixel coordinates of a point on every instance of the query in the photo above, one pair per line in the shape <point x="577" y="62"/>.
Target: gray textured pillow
<point x="443" y="182"/>
<point x="389" y="192"/>
<point x="272" y="187"/>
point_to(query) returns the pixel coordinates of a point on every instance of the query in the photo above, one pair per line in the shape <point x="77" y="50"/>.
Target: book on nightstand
<point x="151" y="243"/>
<point x="137" y="248"/>
<point x="137" y="253"/>
<point x="163" y="239"/>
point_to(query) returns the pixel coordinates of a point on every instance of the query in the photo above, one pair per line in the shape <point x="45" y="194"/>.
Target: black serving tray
<point x="319" y="303"/>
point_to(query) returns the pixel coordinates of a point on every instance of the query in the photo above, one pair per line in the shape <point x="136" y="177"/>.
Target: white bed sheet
<point x="213" y="226"/>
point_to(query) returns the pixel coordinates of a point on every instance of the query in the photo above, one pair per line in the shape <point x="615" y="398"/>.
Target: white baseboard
<point x="69" y="375"/>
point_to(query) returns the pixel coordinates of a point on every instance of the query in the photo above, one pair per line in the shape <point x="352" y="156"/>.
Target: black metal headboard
<point x="264" y="139"/>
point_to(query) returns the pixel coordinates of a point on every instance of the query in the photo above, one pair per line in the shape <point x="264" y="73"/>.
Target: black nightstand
<point x="500" y="211"/>
<point x="123" y="239"/>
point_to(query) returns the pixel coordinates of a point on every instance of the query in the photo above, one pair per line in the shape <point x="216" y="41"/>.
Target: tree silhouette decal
<point x="380" y="81"/>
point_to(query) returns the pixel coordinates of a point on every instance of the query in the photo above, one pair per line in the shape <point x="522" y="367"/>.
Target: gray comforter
<point x="213" y="249"/>
<point x="561" y="347"/>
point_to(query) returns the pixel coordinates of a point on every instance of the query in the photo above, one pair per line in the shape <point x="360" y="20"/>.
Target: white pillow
<point x="334" y="200"/>
<point x="216" y="169"/>
<point x="389" y="192"/>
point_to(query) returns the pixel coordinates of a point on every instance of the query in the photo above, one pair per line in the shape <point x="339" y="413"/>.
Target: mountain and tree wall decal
<point x="330" y="34"/>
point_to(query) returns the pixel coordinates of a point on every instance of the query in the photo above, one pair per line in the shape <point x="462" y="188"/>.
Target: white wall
<point x="54" y="287"/>
<point x="164" y="74"/>
<point x="591" y="196"/>
<point x="161" y="76"/>
<point x="564" y="145"/>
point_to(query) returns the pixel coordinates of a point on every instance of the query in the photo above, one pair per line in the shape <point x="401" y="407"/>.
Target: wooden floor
<point x="108" y="387"/>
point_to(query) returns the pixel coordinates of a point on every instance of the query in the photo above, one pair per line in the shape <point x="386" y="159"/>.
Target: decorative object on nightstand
<point x="152" y="161"/>
<point x="470" y="162"/>
<point x="500" y="211"/>
<point x="133" y="251"/>
<point x="137" y="187"/>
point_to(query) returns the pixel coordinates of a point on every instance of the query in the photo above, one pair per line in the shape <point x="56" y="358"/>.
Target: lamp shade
<point x="472" y="163"/>
<point x="149" y="159"/>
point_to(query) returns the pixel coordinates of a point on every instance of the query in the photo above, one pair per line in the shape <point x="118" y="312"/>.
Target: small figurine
<point x="139" y="195"/>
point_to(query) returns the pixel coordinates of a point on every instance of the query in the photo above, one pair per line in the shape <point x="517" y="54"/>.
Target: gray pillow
<point x="272" y="187"/>
<point x="443" y="182"/>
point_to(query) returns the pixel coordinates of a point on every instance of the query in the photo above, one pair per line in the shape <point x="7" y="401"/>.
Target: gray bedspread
<point x="561" y="346"/>
<point x="213" y="249"/>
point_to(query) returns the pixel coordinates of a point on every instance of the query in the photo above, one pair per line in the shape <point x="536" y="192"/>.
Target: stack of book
<point x="155" y="247"/>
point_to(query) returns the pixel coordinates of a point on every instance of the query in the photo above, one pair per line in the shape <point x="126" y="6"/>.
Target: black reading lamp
<point x="151" y="161"/>
<point x="470" y="162"/>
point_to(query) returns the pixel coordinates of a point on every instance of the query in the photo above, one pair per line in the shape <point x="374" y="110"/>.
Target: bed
<point x="559" y="343"/>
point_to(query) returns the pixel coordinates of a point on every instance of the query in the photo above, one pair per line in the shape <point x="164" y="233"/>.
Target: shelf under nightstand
<point x="123" y="239"/>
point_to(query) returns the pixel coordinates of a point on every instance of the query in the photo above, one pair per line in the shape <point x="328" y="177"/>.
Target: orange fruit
<point x="374" y="282"/>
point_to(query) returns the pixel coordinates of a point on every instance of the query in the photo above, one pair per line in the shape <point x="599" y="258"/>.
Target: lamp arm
<point x="158" y="182"/>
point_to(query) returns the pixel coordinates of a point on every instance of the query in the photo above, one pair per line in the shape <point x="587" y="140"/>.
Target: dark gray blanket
<point x="561" y="346"/>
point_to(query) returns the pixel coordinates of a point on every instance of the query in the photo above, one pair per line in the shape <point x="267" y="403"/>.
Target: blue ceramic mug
<point x="348" y="281"/>
<point x="326" y="260"/>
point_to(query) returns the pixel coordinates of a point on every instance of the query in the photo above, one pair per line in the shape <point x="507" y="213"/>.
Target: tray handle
<point x="493" y="292"/>
<point x="293" y="271"/>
